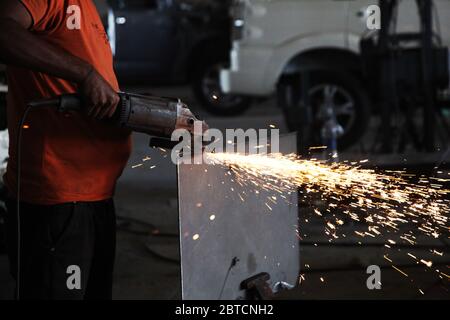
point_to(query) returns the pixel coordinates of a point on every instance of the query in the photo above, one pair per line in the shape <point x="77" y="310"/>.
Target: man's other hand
<point x="100" y="98"/>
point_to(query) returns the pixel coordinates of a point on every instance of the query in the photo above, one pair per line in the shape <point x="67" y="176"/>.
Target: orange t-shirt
<point x="65" y="158"/>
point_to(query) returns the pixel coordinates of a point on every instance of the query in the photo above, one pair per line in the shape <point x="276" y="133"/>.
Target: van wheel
<point x="349" y="98"/>
<point x="207" y="90"/>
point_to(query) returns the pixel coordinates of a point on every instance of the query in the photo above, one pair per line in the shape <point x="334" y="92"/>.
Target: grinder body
<point x="152" y="115"/>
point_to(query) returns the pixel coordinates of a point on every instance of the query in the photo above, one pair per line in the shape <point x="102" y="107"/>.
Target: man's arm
<point x="20" y="47"/>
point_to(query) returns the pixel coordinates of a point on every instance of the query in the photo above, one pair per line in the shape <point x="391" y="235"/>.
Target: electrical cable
<point x="234" y="262"/>
<point x="154" y="230"/>
<point x="19" y="156"/>
<point x="18" y="178"/>
<point x="160" y="256"/>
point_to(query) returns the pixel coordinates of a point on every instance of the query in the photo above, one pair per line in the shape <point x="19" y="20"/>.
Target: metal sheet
<point x="260" y="239"/>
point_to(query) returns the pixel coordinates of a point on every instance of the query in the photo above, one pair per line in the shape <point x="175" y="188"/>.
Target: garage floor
<point x="147" y="253"/>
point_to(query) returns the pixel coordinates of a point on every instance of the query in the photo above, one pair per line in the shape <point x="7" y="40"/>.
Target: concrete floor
<point x="147" y="201"/>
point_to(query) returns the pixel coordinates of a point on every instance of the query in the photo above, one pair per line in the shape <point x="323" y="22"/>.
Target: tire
<point x="206" y="87"/>
<point x="349" y="96"/>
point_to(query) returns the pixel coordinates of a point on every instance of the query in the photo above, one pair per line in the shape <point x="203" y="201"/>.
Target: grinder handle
<point x="70" y="102"/>
<point x="63" y="103"/>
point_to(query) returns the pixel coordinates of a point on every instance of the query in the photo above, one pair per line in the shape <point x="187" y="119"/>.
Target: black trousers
<point x="67" y="251"/>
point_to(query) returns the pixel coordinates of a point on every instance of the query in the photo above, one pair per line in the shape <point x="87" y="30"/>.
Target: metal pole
<point x="429" y="121"/>
<point x="386" y="81"/>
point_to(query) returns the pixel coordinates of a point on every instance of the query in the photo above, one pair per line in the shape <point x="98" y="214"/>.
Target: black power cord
<point x="19" y="156"/>
<point x="33" y="105"/>
<point x="18" y="177"/>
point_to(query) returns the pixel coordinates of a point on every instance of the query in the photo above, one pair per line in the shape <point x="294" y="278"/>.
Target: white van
<point x="272" y="37"/>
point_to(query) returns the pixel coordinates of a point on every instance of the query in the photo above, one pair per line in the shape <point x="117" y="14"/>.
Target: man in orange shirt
<point x="70" y="162"/>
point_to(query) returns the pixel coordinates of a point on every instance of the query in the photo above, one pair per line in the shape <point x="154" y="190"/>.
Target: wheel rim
<point x="339" y="99"/>
<point x="213" y="93"/>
